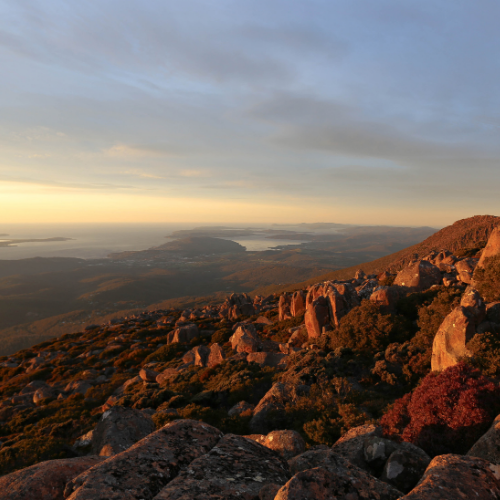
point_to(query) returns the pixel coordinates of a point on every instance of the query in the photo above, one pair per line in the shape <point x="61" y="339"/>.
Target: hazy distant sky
<point x="360" y="111"/>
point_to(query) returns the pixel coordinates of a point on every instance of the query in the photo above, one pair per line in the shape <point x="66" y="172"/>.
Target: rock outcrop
<point x="419" y="276"/>
<point x="449" y="477"/>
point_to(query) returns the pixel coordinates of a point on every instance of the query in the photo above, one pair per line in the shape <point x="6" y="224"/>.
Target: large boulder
<point x="183" y="334"/>
<point x="465" y="270"/>
<point x="284" y="307"/>
<point x="143" y="470"/>
<point x="335" y="478"/>
<point x="118" y="429"/>
<point x="298" y="303"/>
<point x="475" y="305"/>
<point x="452" y="477"/>
<point x="351" y="445"/>
<point x="337" y="305"/>
<point x="488" y="445"/>
<point x="419" y="276"/>
<point x="316" y="317"/>
<point x="236" y="468"/>
<point x="44" y="481"/>
<point x="246" y="339"/>
<point x="274" y="400"/>
<point x="405" y="467"/>
<point x="449" y="343"/>
<point x="386" y="297"/>
<point x="492" y="248"/>
<point x="286" y="443"/>
<point x="216" y="356"/>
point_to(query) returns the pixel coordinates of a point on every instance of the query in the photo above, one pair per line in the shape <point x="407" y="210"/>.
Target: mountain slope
<point x="469" y="233"/>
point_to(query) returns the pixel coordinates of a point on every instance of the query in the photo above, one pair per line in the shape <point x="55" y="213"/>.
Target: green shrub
<point x="487" y="279"/>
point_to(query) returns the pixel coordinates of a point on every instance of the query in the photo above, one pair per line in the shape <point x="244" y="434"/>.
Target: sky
<point x="248" y="111"/>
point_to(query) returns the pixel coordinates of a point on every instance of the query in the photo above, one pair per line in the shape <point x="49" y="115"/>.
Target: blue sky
<point x="356" y="111"/>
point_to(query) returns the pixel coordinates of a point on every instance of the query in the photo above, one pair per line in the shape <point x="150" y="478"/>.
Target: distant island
<point x="13" y="242"/>
<point x="199" y="245"/>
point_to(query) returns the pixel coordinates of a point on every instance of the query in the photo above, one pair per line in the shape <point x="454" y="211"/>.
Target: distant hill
<point x="200" y="245"/>
<point x="465" y="234"/>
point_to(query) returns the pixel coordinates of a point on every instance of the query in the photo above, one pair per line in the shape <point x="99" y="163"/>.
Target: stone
<point x="45" y="480"/>
<point x="216" y="356"/>
<point x="316" y="317"/>
<point x="268" y="492"/>
<point x="298" y="303"/>
<point x="183" y="334"/>
<point x="245" y="339"/>
<point x="275" y="399"/>
<point x="405" y="467"/>
<point x="336" y="478"/>
<point x="236" y="468"/>
<point x="351" y="444"/>
<point x="419" y="276"/>
<point x="492" y="248"/>
<point x="284" y="307"/>
<point x="386" y="297"/>
<point x="241" y="408"/>
<point x="286" y="443"/>
<point x="148" y="375"/>
<point x="201" y="354"/>
<point x="44" y="393"/>
<point x="143" y="470"/>
<point x="465" y="270"/>
<point x="272" y="359"/>
<point x="118" y="429"/>
<point x="166" y="375"/>
<point x="450" y="341"/>
<point x="487" y="446"/>
<point x="337" y="306"/>
<point x="376" y="451"/>
<point x="474" y="303"/>
<point x="452" y="477"/>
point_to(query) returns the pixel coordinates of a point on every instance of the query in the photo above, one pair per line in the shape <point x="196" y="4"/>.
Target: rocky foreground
<point x="277" y="397"/>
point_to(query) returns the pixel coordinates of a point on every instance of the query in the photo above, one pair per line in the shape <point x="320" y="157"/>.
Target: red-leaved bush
<point x="447" y="413"/>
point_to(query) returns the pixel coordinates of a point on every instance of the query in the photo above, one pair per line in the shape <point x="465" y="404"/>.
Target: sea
<point x="96" y="241"/>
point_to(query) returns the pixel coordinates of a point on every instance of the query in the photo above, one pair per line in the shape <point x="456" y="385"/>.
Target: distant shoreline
<point x="14" y="242"/>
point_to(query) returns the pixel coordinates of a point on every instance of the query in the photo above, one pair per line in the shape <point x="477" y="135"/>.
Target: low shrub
<point x="447" y="413"/>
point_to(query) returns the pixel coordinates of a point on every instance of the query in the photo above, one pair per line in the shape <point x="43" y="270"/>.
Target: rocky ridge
<point x="248" y="368"/>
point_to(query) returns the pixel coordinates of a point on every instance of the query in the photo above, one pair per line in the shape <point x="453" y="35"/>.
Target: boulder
<point x="245" y="339"/>
<point x="474" y="303"/>
<point x="166" y="375"/>
<point x="337" y="306"/>
<point x="465" y="270"/>
<point x="286" y="443"/>
<point x="44" y="393"/>
<point x="118" y="429"/>
<point x="488" y="446"/>
<point x="148" y="375"/>
<point x="268" y="492"/>
<point x="284" y="307"/>
<point x="492" y="248"/>
<point x="419" y="276"/>
<point x="386" y="297"/>
<point x="274" y="400"/>
<point x="376" y="451"/>
<point x="351" y="444"/>
<point x="336" y="478"/>
<point x="405" y="467"/>
<point x="298" y="303"/>
<point x="216" y="355"/>
<point x="450" y="341"/>
<point x="45" y="480"/>
<point x="241" y="407"/>
<point x="183" y="334"/>
<point x="236" y="468"/>
<point x="201" y="355"/>
<point x="143" y="470"/>
<point x="316" y="317"/>
<point x="272" y="359"/>
<point x="450" y="477"/>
